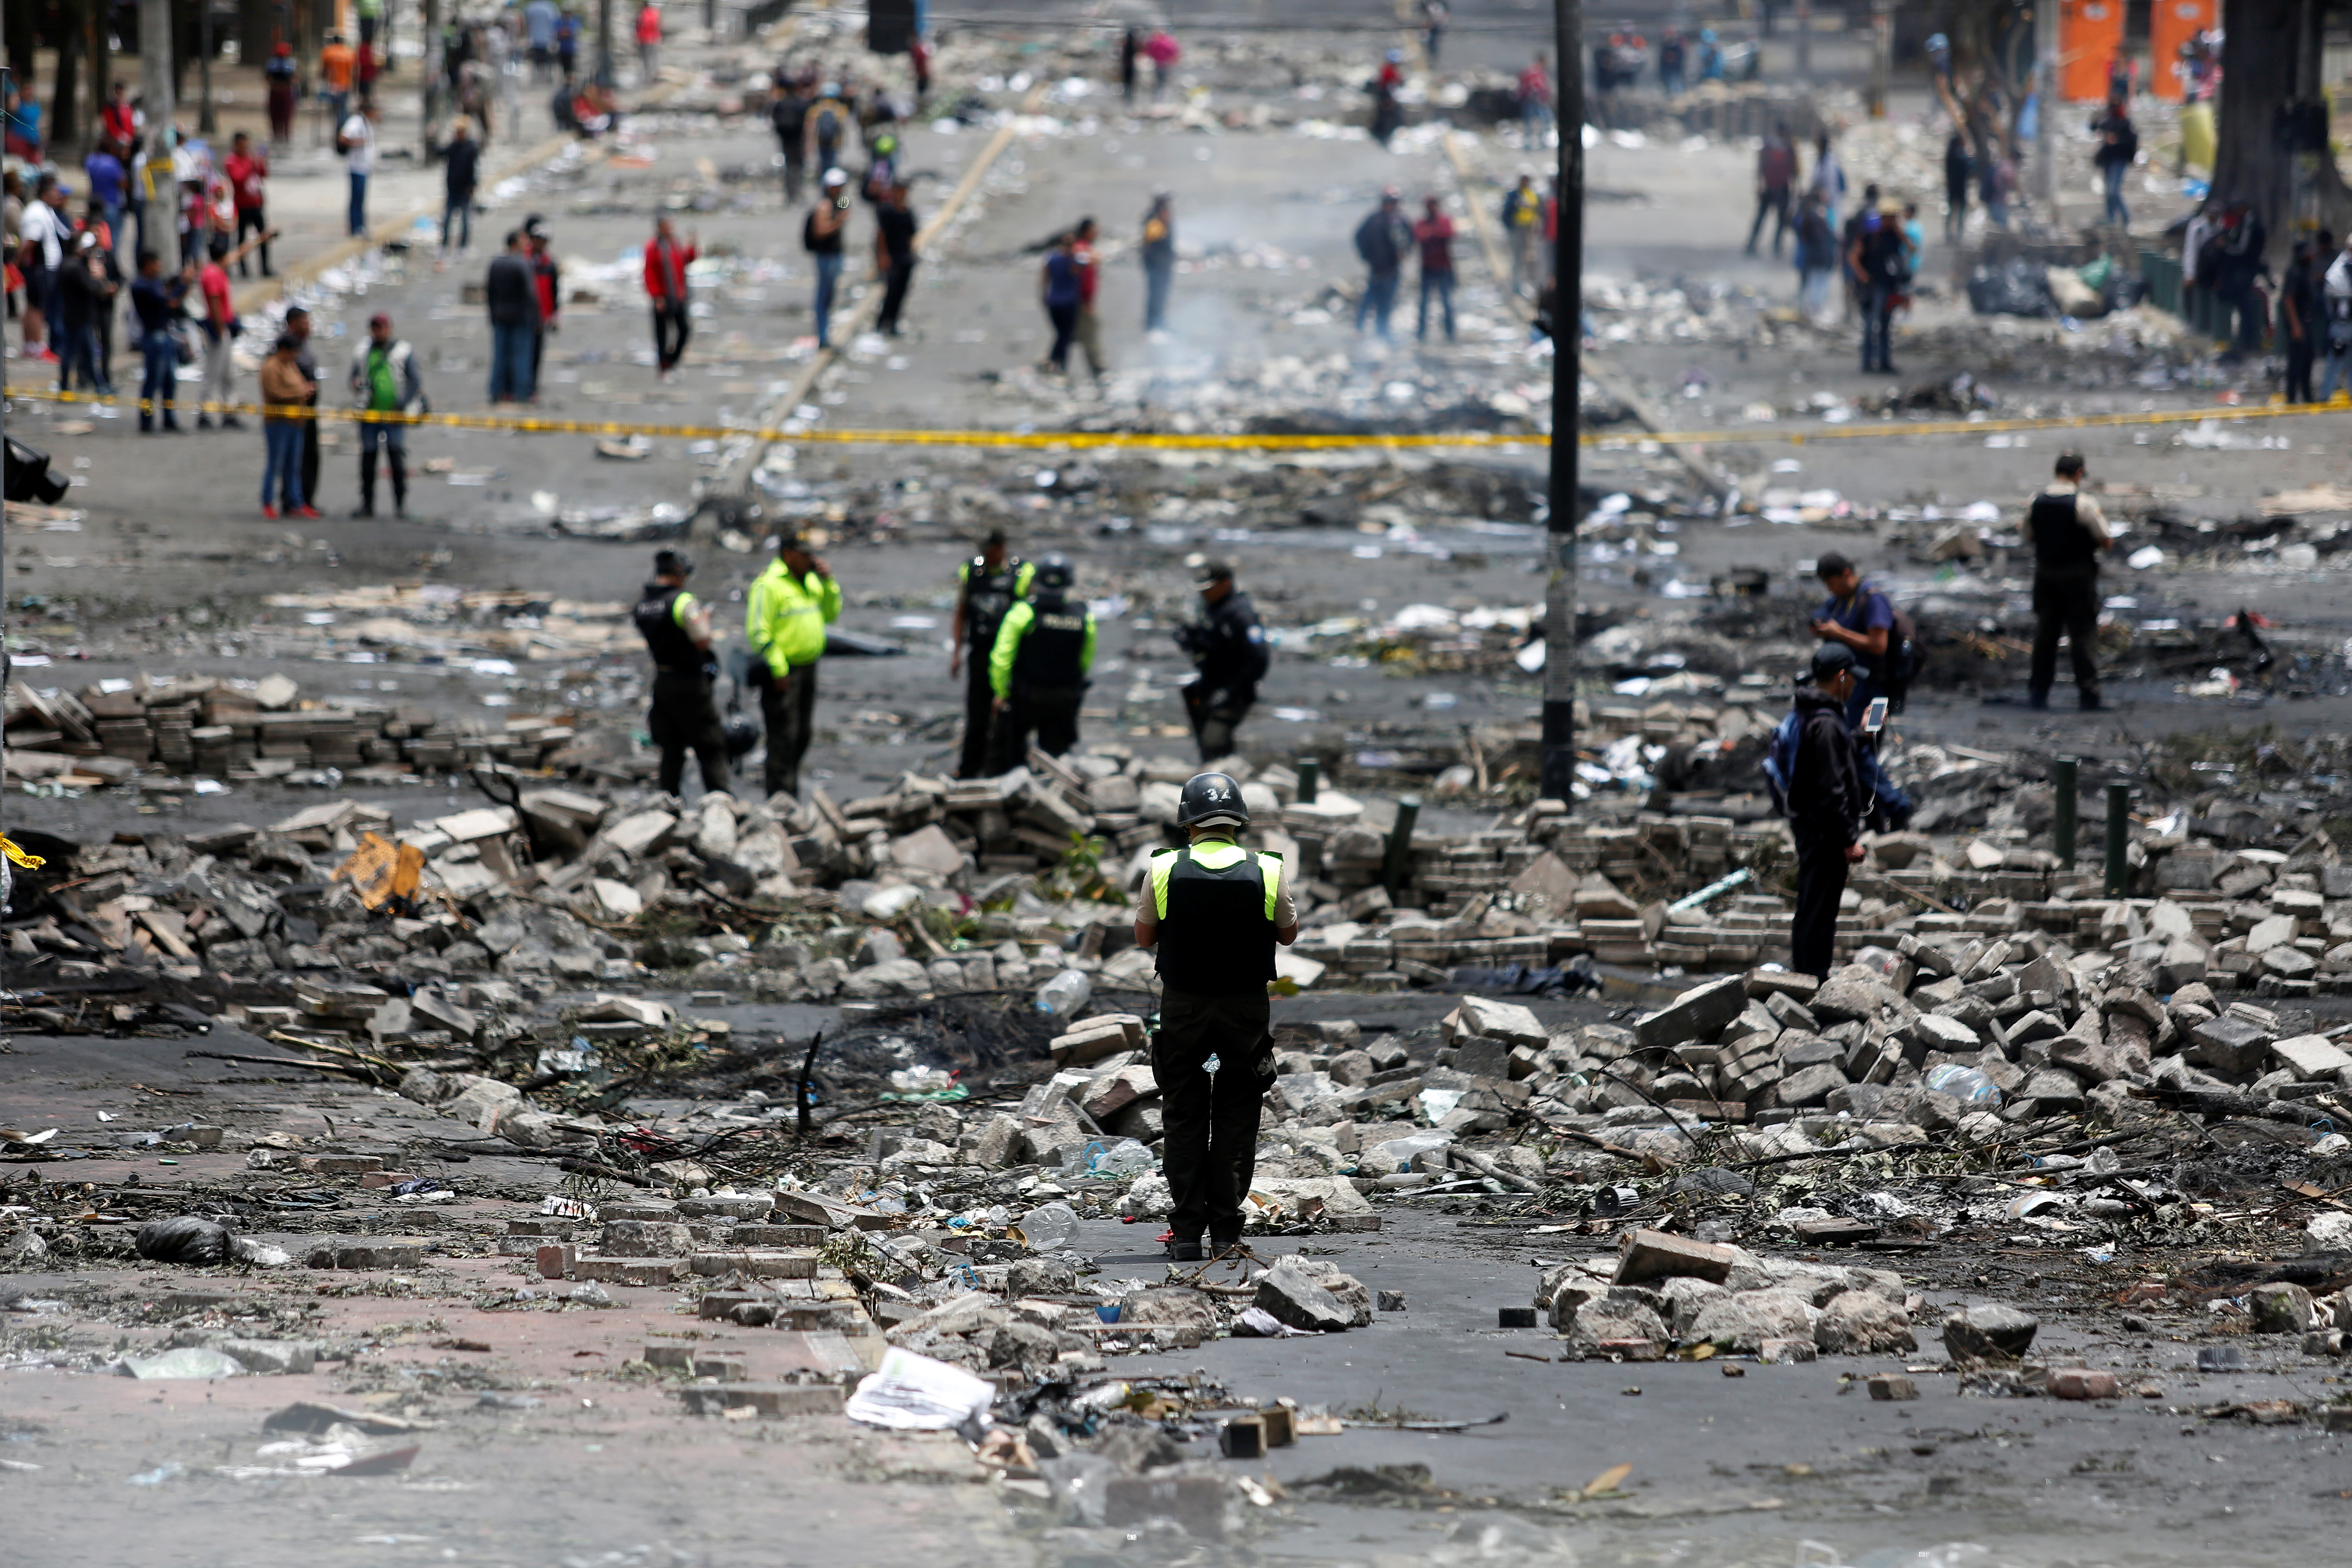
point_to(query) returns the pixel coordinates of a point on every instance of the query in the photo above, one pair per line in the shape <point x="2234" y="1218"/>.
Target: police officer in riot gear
<point x="1215" y="911"/>
<point x="1037" y="669"/>
<point x="677" y="629"/>
<point x="1227" y="645"/>
<point x="987" y="588"/>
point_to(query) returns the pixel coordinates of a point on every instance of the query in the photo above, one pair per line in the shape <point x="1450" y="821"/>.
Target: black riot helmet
<point x="673" y="564"/>
<point x="1211" y="800"/>
<point x="1055" y="573"/>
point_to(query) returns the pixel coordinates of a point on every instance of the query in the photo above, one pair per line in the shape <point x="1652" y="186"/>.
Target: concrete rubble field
<point x="423" y="1137"/>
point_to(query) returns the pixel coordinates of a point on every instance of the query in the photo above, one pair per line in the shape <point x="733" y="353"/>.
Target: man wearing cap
<point x="785" y="615"/>
<point x="1859" y="615"/>
<point x="677" y="629"/>
<point x="1215" y="911"/>
<point x="987" y="586"/>
<point x="1037" y="669"/>
<point x="1828" y="798"/>
<point x="384" y="381"/>
<point x="1383" y="240"/>
<point x="1227" y="645"/>
<point x="820" y="236"/>
<point x="2066" y="531"/>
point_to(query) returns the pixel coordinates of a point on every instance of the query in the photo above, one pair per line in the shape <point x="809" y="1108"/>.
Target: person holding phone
<point x="1859" y="616"/>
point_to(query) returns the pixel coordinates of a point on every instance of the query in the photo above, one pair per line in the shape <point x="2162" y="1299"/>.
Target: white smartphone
<point x="1873" y="717"/>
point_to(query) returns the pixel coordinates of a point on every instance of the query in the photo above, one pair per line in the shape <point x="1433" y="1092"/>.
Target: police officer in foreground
<point x="1227" y="645"/>
<point x="1037" y="670"/>
<point x="2066" y="531"/>
<point x="1215" y="910"/>
<point x="785" y="615"/>
<point x="986" y="588"/>
<point x="1829" y="795"/>
<point x="677" y="629"/>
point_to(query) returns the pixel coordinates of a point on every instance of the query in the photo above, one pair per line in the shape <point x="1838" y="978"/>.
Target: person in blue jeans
<point x="511" y="292"/>
<point x="155" y="301"/>
<point x="356" y="139"/>
<point x="1383" y="240"/>
<point x="283" y="386"/>
<point x="820" y="236"/>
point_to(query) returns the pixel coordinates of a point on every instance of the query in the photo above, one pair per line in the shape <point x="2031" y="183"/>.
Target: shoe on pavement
<point x="1222" y="1242"/>
<point x="2091" y="704"/>
<point x="1187" y="1250"/>
<point x="231" y="422"/>
<point x="268" y="511"/>
<point x="309" y="511"/>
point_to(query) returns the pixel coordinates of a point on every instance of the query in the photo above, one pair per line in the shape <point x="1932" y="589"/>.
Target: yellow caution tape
<point x="25" y="858"/>
<point x="1070" y="440"/>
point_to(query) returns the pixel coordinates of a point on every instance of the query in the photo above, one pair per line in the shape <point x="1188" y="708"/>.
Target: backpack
<point x="1902" y="655"/>
<point x="1781" y="761"/>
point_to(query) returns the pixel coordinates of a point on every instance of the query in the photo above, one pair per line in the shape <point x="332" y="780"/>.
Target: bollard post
<point x="2119" y="833"/>
<point x="2064" y="784"/>
<point x="1399" y="860"/>
<point x="1310" y="777"/>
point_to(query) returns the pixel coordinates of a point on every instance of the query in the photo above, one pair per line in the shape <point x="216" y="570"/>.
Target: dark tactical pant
<point x="683" y="718"/>
<point x="1821" y="883"/>
<point x="979" y="715"/>
<point x="1209" y="1156"/>
<point x="1213" y="723"/>
<point x="788" y="705"/>
<point x="1053" y="718"/>
<point x="2067" y="601"/>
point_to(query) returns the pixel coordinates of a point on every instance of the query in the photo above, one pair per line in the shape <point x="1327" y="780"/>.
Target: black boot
<point x="1185" y="1250"/>
<point x="171" y="422"/>
<point x="367" y="486"/>
<point x="399" y="483"/>
<point x="1224" y="1239"/>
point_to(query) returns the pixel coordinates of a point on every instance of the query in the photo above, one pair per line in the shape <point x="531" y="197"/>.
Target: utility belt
<point x="1047" y="695"/>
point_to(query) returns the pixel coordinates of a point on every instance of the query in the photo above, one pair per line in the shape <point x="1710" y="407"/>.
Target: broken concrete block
<point x="1695" y="1014"/>
<point x="1646" y="1255"/>
<point x="1505" y="1021"/>
<point x="1788" y="1352"/>
<point x="1861" y="1322"/>
<point x="2311" y="1057"/>
<point x="1808" y="1086"/>
<point x="1613" y="1320"/>
<point x="1742" y="1321"/>
<point x="2278" y="1309"/>
<point x="1989" y="1333"/>
<point x="482" y="1102"/>
<point x="2081" y="1382"/>
<point x="1293" y="1296"/>
<point x="1892" y="1385"/>
<point x="1480" y="1057"/>
<point x="1351" y="1292"/>
<point x="2229" y="1045"/>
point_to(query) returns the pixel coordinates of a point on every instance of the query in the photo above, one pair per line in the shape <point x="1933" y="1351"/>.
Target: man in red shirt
<point x="649" y="38"/>
<point x="666" y="265"/>
<point x="247" y="169"/>
<point x="1434" y="234"/>
<point x="1089" y="333"/>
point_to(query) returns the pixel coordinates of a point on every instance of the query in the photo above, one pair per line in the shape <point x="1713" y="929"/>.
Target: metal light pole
<point x="2045" y="109"/>
<point x="204" y="121"/>
<point x="1882" y="52"/>
<point x="1559" y="760"/>
<point x="155" y="62"/>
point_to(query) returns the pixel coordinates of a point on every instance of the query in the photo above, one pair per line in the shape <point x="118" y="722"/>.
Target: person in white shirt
<point x="356" y="140"/>
<point x="43" y="233"/>
<point x="2335" y="290"/>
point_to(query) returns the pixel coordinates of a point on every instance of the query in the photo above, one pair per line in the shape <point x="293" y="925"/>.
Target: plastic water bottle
<point x="1065" y="994"/>
<point x="1049" y="1227"/>
<point x="1964" y="1084"/>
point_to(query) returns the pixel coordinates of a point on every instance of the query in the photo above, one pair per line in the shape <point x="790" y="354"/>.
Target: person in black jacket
<point x="1828" y="798"/>
<point x="461" y="164"/>
<point x="1227" y="645"/>
<point x="511" y="292"/>
<point x="1959" y="169"/>
<point x="677" y="629"/>
<point x="789" y="117"/>
<point x="2066" y="531"/>
<point x="1383" y="240"/>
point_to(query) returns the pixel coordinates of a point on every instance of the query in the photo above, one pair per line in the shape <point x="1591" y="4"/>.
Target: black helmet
<point x="742" y="734"/>
<point x="1212" y="798"/>
<point x="1057" y="572"/>
<point x="673" y="564"/>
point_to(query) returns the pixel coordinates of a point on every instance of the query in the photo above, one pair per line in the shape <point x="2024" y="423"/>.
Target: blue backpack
<point x="1781" y="761"/>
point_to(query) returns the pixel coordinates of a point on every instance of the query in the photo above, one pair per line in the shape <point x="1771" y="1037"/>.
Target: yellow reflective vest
<point x="785" y="616"/>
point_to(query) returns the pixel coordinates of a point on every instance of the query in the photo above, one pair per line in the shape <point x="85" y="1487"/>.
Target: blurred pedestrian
<point x="665" y="264"/>
<point x="987" y="588"/>
<point x="511" y="295"/>
<point x="387" y="385"/>
<point x="1828" y="803"/>
<point x="1776" y="181"/>
<point x="1089" y="324"/>
<point x="2297" y="321"/>
<point x="1037" y="668"/>
<point x="277" y="80"/>
<point x="336" y="64"/>
<point x="649" y="42"/>
<point x="1163" y="50"/>
<point x="248" y="170"/>
<point x="1228" y="649"/>
<point x="297" y="326"/>
<point x="547" y="280"/>
<point x="1881" y="267"/>
<point x="283" y="387"/>
<point x="108" y="183"/>
<point x="829" y="124"/>
<point x="2118" y="147"/>
<point x="1130" y="47"/>
<point x="461" y="165"/>
<point x="788" y="117"/>
<point x="1815" y="254"/>
<point x="1829" y="178"/>
<point x="1960" y="170"/>
<point x="1059" y="289"/>
<point x="820" y="236"/>
<point x="1159" y="250"/>
<point x="1383" y="240"/>
<point x="1522" y="219"/>
<point x="155" y="302"/>
<point x="1535" y="97"/>
<point x="1433" y="233"/>
<point x="681" y="716"/>
<point x="356" y="143"/>
<point x="82" y="293"/>
<point x="220" y="326"/>
<point x="43" y="232"/>
<point x="894" y="255"/>
<point x="2335" y="315"/>
<point x="2066" y="531"/>
<point x="785" y="615"/>
<point x="1434" y="14"/>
